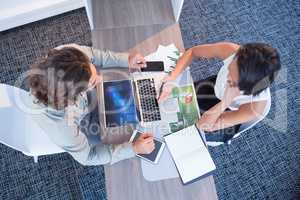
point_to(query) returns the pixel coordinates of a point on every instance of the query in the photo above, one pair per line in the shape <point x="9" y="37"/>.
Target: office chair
<point x="244" y="127"/>
<point x="17" y="129"/>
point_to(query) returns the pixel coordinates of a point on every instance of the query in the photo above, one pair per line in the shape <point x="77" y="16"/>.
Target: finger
<point x="152" y="148"/>
<point x="143" y="65"/>
<point x="92" y="82"/>
<point x="92" y="79"/>
<point x="98" y="79"/>
<point x="163" y="97"/>
<point x="148" y="137"/>
<point x="145" y="135"/>
<point x="148" y="140"/>
<point x="152" y="144"/>
<point x="139" y="62"/>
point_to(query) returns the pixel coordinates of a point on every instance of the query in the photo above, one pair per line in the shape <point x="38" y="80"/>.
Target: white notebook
<point x="190" y="154"/>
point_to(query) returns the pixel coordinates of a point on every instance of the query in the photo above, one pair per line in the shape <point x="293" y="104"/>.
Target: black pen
<point x="161" y="89"/>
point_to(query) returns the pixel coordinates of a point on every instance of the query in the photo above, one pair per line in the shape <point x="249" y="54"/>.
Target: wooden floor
<point x="109" y="14"/>
<point x="124" y="38"/>
<point x="121" y="24"/>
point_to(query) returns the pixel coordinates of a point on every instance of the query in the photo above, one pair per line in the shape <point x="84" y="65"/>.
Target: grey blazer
<point x="62" y="126"/>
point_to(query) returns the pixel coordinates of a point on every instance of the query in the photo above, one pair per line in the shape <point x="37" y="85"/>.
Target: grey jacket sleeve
<point x="69" y="138"/>
<point x="102" y="58"/>
<point x="77" y="145"/>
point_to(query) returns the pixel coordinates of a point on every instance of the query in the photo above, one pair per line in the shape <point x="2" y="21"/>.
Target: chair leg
<point x="35" y="158"/>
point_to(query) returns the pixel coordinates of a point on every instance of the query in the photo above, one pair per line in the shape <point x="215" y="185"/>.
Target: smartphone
<point x="154" y="66"/>
<point x="155" y="155"/>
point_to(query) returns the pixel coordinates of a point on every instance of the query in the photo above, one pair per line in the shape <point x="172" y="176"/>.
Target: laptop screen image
<point x="120" y="108"/>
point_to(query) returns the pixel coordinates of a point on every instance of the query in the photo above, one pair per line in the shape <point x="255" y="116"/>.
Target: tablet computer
<point x="119" y="103"/>
<point x="155" y="155"/>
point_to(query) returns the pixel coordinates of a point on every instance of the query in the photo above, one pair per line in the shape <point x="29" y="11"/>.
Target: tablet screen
<point x="119" y="103"/>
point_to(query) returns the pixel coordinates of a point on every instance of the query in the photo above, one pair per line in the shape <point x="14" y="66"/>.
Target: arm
<point x="219" y="50"/>
<point x="106" y="153"/>
<point x="217" y="118"/>
<point x="245" y="113"/>
<point x="73" y="141"/>
<point x="102" y="58"/>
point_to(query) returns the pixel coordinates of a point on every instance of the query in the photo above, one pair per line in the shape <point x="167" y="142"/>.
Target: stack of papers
<point x="168" y="54"/>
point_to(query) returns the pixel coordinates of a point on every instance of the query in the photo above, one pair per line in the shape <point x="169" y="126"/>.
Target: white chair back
<point x="246" y="126"/>
<point x="18" y="130"/>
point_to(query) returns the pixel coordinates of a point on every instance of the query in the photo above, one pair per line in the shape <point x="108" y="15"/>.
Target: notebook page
<point x="190" y="154"/>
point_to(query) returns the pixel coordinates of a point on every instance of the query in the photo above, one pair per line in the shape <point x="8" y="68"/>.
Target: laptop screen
<point x="120" y="108"/>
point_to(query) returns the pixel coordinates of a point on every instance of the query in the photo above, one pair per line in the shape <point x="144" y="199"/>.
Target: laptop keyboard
<point x="149" y="105"/>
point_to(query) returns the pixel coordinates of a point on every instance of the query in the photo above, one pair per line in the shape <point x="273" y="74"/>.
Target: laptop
<point x="132" y="101"/>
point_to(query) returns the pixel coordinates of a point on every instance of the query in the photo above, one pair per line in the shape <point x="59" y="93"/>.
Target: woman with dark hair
<point x="59" y="83"/>
<point x="238" y="93"/>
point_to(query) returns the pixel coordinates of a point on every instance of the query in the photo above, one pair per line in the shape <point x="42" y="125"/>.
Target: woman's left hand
<point x="204" y="126"/>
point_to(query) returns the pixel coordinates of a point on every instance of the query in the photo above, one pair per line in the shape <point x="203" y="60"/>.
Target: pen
<point x="161" y="89"/>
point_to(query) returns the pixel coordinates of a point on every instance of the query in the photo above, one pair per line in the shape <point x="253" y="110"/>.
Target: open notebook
<point x="190" y="154"/>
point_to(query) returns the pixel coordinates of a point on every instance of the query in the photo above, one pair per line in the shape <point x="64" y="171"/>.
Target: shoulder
<point x="220" y="50"/>
<point x="226" y="49"/>
<point x="84" y="49"/>
<point x="68" y="45"/>
<point x="87" y="50"/>
<point x="256" y="104"/>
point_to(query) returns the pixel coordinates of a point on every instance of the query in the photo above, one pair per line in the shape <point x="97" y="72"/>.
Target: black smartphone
<point x="154" y="66"/>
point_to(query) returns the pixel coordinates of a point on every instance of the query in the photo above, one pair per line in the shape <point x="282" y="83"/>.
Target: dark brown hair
<point x="258" y="65"/>
<point x="59" y="77"/>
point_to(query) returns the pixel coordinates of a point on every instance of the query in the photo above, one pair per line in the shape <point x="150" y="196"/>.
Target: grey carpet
<point x="261" y="164"/>
<point x="264" y="163"/>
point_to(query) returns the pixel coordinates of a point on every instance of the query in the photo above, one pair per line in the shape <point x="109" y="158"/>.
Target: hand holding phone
<point x="136" y="61"/>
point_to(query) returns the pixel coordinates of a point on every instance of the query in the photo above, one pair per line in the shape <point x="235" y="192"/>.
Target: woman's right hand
<point x="144" y="144"/>
<point x="167" y="87"/>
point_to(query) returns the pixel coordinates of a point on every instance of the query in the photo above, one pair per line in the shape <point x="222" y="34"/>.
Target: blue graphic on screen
<point x="120" y="108"/>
